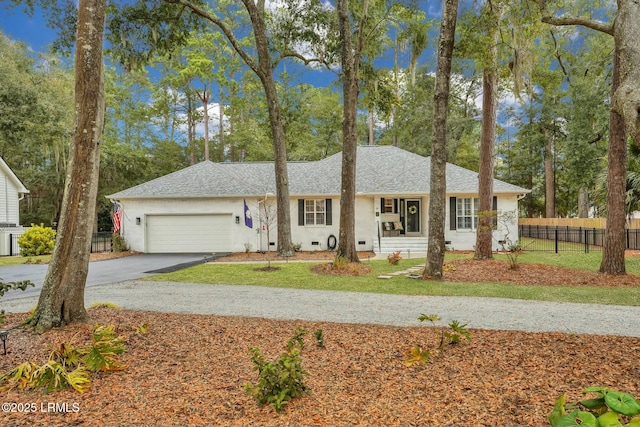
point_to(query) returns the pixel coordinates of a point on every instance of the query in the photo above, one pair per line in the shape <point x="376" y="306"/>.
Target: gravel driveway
<point x="351" y="307"/>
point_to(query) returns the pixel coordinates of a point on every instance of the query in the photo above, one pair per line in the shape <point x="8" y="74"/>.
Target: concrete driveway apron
<point x="101" y="272"/>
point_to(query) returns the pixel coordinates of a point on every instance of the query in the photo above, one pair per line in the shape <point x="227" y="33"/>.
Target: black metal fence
<point x="100" y="242"/>
<point x="569" y="239"/>
<point x="14" y="249"/>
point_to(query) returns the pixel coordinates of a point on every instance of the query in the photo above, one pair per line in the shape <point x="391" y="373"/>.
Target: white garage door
<point x="188" y="233"/>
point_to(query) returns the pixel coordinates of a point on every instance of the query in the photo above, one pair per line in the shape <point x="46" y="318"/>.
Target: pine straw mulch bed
<point x="498" y="270"/>
<point x="190" y="370"/>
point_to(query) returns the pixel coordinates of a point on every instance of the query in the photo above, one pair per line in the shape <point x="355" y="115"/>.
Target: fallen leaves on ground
<point x="473" y="271"/>
<point x="190" y="370"/>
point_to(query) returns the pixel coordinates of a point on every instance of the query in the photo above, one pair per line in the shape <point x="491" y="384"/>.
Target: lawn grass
<point x="298" y="275"/>
<point x="16" y="260"/>
<point x="577" y="260"/>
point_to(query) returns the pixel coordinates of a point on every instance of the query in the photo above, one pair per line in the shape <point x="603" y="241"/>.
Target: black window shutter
<point x="395" y="205"/>
<point x="329" y="218"/>
<point x="495" y="212"/>
<point x="300" y="212"/>
<point x="381" y="205"/>
<point x="453" y="224"/>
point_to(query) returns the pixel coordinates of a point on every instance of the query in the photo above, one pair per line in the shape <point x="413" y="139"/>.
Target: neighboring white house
<point x="11" y="192"/>
<point x="202" y="208"/>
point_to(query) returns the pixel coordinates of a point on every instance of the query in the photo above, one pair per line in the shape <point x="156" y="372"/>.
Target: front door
<point x="412" y="218"/>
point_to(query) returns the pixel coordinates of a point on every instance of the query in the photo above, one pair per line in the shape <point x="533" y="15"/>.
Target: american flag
<point x="117" y="217"/>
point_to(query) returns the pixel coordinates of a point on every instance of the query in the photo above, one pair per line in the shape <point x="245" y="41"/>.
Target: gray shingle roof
<point x="380" y="170"/>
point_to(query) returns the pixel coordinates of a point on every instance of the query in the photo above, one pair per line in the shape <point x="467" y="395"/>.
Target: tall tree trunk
<point x="583" y="203"/>
<point x="624" y="118"/>
<point x="285" y="246"/>
<point x="221" y="125"/>
<point x="484" y="233"/>
<point x="264" y="70"/>
<point x="62" y="296"/>
<point x="484" y="236"/>
<point x="350" y="63"/>
<point x="205" y="113"/>
<point x="549" y="176"/>
<point x="191" y="130"/>
<point x="413" y="65"/>
<point x="233" y="113"/>
<point x="396" y="92"/>
<point x="438" y="190"/>
<point x="529" y="202"/>
<point x="626" y="98"/>
<point x="614" y="238"/>
<point x="372" y="139"/>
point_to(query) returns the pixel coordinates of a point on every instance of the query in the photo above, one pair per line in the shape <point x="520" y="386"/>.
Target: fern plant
<point x="109" y="305"/>
<point x="457" y="333"/>
<point x="21" y="377"/>
<point x="102" y="354"/>
<point x="53" y="376"/>
<point x="417" y="355"/>
<point x="66" y="354"/>
<point x="69" y="365"/>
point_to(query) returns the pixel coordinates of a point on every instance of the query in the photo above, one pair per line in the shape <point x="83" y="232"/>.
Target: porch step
<point x="405" y="245"/>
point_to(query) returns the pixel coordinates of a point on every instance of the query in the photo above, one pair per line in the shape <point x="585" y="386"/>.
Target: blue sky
<point x="31" y="30"/>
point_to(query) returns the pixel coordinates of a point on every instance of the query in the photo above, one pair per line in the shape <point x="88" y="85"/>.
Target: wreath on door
<point x="413" y="210"/>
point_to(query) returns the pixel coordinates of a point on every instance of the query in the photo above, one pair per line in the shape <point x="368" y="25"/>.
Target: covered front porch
<point x="401" y="217"/>
<point x="401" y="223"/>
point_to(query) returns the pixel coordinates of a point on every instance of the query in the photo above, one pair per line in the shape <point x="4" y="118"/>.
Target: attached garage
<point x="188" y="233"/>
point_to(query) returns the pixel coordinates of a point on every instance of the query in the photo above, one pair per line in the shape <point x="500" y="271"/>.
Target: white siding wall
<point x="242" y="236"/>
<point x="134" y="234"/>
<point x="306" y="235"/>
<point x="256" y="239"/>
<point x="465" y="240"/>
<point x="9" y="209"/>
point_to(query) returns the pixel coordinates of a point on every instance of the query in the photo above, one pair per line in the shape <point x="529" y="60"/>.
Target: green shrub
<point x="280" y="381"/>
<point x="5" y="287"/>
<point x="118" y="244"/>
<point x="38" y="240"/>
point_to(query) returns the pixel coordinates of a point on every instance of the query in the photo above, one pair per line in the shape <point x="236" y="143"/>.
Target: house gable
<point x="11" y="192"/>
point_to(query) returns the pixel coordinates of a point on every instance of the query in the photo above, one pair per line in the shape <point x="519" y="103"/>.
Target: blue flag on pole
<point x="248" y="221"/>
